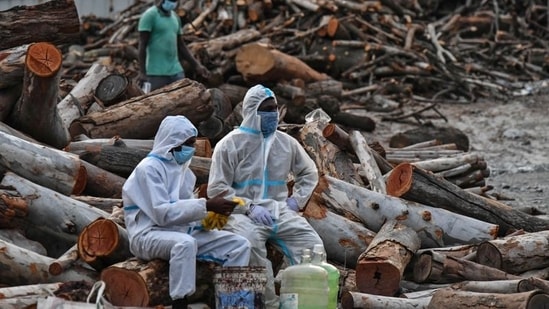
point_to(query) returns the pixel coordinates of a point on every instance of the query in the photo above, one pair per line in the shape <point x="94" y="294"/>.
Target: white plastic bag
<point x="53" y="302"/>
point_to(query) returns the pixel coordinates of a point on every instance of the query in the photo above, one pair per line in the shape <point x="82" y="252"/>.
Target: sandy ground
<point x="513" y="138"/>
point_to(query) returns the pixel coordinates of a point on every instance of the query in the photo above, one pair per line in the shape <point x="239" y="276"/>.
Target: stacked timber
<point x="408" y="221"/>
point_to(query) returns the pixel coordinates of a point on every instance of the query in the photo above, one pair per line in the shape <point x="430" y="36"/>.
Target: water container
<point x="319" y="258"/>
<point x="304" y="286"/>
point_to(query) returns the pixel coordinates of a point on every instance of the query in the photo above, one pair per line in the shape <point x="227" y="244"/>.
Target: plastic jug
<point x="319" y="258"/>
<point x="304" y="286"/>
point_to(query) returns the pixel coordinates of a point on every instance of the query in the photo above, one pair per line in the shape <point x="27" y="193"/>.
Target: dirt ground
<point x="512" y="137"/>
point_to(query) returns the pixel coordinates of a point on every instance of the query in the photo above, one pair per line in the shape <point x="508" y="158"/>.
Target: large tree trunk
<point x="380" y="268"/>
<point x="516" y="254"/>
<point x="418" y="185"/>
<point x="36" y="111"/>
<point x="185" y="97"/>
<point x="436" y="227"/>
<point x="258" y="63"/>
<point x="78" y="100"/>
<point x="12" y="66"/>
<point x="438" y="268"/>
<point x="135" y="282"/>
<point x="351" y="300"/>
<point x="53" y="219"/>
<point x="51" y="168"/>
<point x="22" y="267"/>
<point x="344" y="240"/>
<point x="54" y="21"/>
<point x="447" y="298"/>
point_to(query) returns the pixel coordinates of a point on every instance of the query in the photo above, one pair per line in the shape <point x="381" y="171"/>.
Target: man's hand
<point x="220" y="205"/>
<point x="260" y="215"/>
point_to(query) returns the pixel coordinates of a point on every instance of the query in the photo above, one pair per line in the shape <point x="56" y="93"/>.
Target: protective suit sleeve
<point x="150" y="194"/>
<point x="305" y="175"/>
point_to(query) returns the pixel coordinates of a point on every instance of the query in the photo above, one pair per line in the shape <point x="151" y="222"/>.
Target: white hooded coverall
<point x="163" y="218"/>
<point x="256" y="169"/>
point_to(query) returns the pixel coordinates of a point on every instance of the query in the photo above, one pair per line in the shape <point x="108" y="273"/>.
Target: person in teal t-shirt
<point x="161" y="46"/>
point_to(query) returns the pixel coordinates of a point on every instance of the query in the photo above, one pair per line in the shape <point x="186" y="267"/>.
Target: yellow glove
<point x="217" y="221"/>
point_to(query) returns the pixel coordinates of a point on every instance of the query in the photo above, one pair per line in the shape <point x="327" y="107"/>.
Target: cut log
<point x="344" y="240"/>
<point x="435" y="226"/>
<point x="368" y="163"/>
<point x="259" y="63"/>
<point x="445" y="135"/>
<point x="103" y="243"/>
<point x="53" y="21"/>
<point x="516" y="254"/>
<point x="12" y="66"/>
<point x="380" y="268"/>
<point x="495" y="286"/>
<point x="102" y="183"/>
<point x="329" y="159"/>
<point x="117" y="159"/>
<point x="64" y="262"/>
<point x="24" y="267"/>
<point x="351" y="300"/>
<point x="418" y="185"/>
<point x="446" y="298"/>
<point x="138" y="283"/>
<point x="533" y="283"/>
<point x="75" y="104"/>
<point x="51" y="168"/>
<point x="36" y="111"/>
<point x="438" y="268"/>
<point x="65" y="218"/>
<point x="185" y="97"/>
<point x="446" y="163"/>
<point x="43" y="290"/>
<point x="115" y="88"/>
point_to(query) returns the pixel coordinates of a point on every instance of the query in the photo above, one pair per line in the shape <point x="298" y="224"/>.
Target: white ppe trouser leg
<point x="182" y="250"/>
<point x="291" y="234"/>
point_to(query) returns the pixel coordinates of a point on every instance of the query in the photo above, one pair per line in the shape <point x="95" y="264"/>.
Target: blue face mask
<point x="269" y="122"/>
<point x="169" y="5"/>
<point x="183" y="155"/>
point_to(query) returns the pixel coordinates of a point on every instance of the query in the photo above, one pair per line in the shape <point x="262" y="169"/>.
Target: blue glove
<point x="260" y="215"/>
<point x="292" y="204"/>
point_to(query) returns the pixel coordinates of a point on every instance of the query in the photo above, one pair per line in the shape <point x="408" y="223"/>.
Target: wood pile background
<point x="410" y="223"/>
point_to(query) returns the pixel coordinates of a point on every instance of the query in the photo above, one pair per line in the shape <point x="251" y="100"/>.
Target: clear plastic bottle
<point x="319" y="258"/>
<point x="304" y="286"/>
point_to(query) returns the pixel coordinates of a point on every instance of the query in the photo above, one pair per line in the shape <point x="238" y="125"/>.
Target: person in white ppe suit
<point x="253" y="162"/>
<point x="163" y="218"/>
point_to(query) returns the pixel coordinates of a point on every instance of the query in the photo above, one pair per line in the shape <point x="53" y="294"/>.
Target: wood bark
<point x="51" y="168"/>
<point x="418" y="185"/>
<point x="436" y="227"/>
<point x="36" y="111"/>
<point x="103" y="243"/>
<point x="380" y="268"/>
<point x="446" y="298"/>
<point x="516" y="254"/>
<point x="54" y="21"/>
<point x="351" y="300"/>
<point x="12" y="66"/>
<point x="8" y="98"/>
<point x="259" y="63"/>
<point x="368" y="163"/>
<point x="23" y="267"/>
<point x="102" y="183"/>
<point x="329" y="159"/>
<point x="65" y="218"/>
<point x="438" y="268"/>
<point x="75" y="104"/>
<point x="496" y="286"/>
<point x="185" y="97"/>
<point x="136" y="282"/>
<point x="344" y="240"/>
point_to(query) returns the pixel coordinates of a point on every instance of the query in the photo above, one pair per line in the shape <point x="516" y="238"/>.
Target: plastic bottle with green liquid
<point x="304" y="286"/>
<point x="319" y="258"/>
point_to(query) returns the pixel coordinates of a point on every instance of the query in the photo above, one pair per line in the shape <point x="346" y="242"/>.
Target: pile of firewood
<point x="409" y="223"/>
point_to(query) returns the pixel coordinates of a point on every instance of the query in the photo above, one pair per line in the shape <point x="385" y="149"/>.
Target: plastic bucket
<point x="240" y="287"/>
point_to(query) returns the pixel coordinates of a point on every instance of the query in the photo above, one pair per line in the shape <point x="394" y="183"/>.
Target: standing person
<point x="161" y="46"/>
<point x="163" y="218"/>
<point x="254" y="162"/>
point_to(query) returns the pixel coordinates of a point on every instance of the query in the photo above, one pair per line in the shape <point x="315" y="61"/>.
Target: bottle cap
<point x="318" y="248"/>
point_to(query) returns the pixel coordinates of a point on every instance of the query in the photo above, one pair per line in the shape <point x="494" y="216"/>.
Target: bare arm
<point x="144" y="37"/>
<point x="185" y="54"/>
